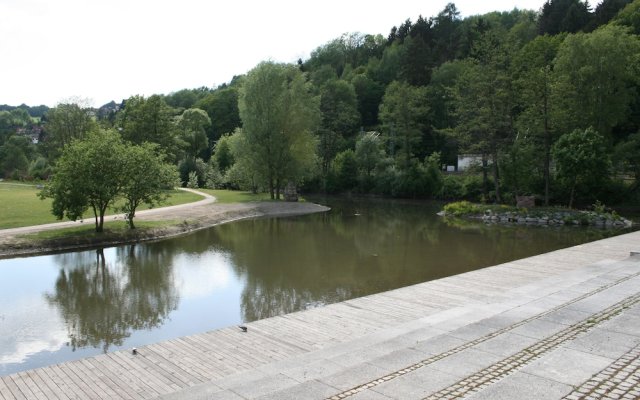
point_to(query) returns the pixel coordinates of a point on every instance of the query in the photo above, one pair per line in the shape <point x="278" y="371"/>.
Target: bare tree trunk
<point x="95" y="215"/>
<point x="271" y="189"/>
<point x="485" y="178"/>
<point x="547" y="152"/>
<point x="130" y="219"/>
<point x="496" y="177"/>
<point x="573" y="189"/>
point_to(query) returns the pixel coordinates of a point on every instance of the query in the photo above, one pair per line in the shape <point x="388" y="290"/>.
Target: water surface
<point x="66" y="306"/>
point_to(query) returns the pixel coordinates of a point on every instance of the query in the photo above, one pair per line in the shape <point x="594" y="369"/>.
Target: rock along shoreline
<point x="554" y="218"/>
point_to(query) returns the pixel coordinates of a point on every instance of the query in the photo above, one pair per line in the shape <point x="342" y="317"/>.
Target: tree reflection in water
<point x="102" y="301"/>
<point x="291" y="264"/>
<point x="364" y="247"/>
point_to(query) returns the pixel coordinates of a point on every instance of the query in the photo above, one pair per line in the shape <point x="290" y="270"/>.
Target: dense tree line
<point x="539" y="97"/>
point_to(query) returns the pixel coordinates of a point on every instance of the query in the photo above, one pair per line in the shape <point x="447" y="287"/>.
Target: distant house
<point x="32" y="132"/>
<point x="465" y="161"/>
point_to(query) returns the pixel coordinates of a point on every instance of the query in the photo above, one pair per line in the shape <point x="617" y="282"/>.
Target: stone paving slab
<point x="568" y="366"/>
<point x="605" y="343"/>
<point x="417" y="385"/>
<point x="309" y="390"/>
<point x="523" y="386"/>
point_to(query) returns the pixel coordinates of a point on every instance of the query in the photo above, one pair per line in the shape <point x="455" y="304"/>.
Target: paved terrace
<point x="561" y="325"/>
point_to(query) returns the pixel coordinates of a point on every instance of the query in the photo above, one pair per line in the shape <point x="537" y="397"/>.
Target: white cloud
<point x="30" y="327"/>
<point x="201" y="276"/>
<point x="111" y="50"/>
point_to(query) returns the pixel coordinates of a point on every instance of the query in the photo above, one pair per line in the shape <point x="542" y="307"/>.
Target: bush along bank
<point x="500" y="214"/>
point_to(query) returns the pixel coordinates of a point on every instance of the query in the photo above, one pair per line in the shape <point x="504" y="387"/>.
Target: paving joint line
<point x="492" y="374"/>
<point x="430" y="360"/>
<point x="620" y="380"/>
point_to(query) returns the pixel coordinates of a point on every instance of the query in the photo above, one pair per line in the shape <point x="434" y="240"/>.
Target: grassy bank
<point x="21" y="205"/>
<point x="88" y="230"/>
<point x="235" y="196"/>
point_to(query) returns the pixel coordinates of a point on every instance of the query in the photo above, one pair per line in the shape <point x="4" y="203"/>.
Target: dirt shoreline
<point x="186" y="219"/>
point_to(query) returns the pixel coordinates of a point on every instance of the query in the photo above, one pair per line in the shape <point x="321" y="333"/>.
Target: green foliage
<point x="222" y="155"/>
<point x="340" y="120"/>
<point x="197" y="166"/>
<point x="338" y="105"/>
<point x="520" y="167"/>
<point x="192" y="125"/>
<point x="369" y="155"/>
<point x="222" y="107"/>
<point x="467" y="186"/>
<point x="460" y="208"/>
<point x="15" y="154"/>
<point x="65" y="123"/>
<point x="193" y="180"/>
<point x="596" y="77"/>
<point x="402" y="112"/>
<point x="186" y="98"/>
<point x="563" y="16"/>
<point x="369" y="96"/>
<point x="484" y="102"/>
<point x="214" y="178"/>
<point x="535" y="81"/>
<point x="627" y="154"/>
<point x="629" y="17"/>
<point x="149" y="120"/>
<point x="279" y="115"/>
<point x="581" y="158"/>
<point x="418" y="180"/>
<point x="345" y="172"/>
<point x="147" y="179"/>
<point x="90" y="173"/>
<point x="40" y="169"/>
<point x="607" y="10"/>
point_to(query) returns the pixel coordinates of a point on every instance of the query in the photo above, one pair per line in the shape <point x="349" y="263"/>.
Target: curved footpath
<point x="186" y="218"/>
<point x="560" y="325"/>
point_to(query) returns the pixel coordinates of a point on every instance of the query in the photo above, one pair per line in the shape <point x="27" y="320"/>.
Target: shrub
<point x="452" y="188"/>
<point x="460" y="208"/>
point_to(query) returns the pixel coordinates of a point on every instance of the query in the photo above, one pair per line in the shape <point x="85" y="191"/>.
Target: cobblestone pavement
<point x="495" y="372"/>
<point x="499" y="370"/>
<point x="620" y="380"/>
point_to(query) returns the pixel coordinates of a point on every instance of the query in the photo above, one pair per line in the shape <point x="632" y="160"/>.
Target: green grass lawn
<point x="235" y="196"/>
<point x="21" y="206"/>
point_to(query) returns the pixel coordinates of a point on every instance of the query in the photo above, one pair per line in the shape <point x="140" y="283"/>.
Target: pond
<point x="61" y="307"/>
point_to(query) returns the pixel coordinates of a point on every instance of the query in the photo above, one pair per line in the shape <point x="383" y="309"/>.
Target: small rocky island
<point x="501" y="214"/>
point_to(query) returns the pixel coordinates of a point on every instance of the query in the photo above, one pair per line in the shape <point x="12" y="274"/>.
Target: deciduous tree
<point x="535" y="80"/>
<point x="403" y="111"/>
<point x="147" y="179"/>
<point x="90" y="174"/>
<point x="192" y="125"/>
<point x="597" y="73"/>
<point x="581" y="159"/>
<point x="279" y="115"/>
<point x="148" y="120"/>
<point x="66" y="122"/>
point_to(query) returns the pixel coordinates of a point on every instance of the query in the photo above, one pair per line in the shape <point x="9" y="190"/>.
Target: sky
<point x="51" y="51"/>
